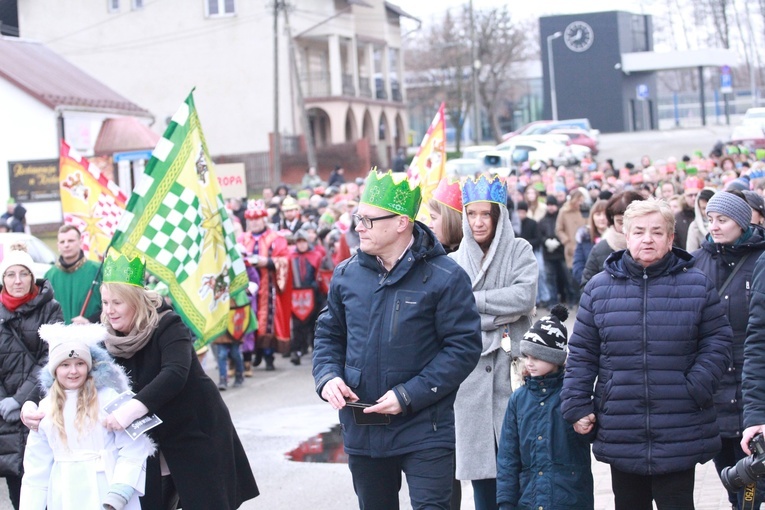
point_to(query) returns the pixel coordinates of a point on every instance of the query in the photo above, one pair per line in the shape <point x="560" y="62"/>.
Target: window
<point x="220" y="7"/>
<point x="113" y="5"/>
<point x="137" y="5"/>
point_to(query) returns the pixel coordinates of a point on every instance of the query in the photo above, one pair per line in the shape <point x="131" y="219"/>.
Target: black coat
<point x="752" y="382"/>
<point x="22" y="355"/>
<point x="197" y="438"/>
<point x="547" y="231"/>
<point x="717" y="262"/>
<point x="595" y="260"/>
<point x="530" y="232"/>
<point x="683" y="221"/>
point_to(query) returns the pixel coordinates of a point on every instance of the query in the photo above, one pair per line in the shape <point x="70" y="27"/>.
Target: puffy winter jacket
<point x="542" y="462"/>
<point x="22" y="354"/>
<point x="717" y="261"/>
<point x="658" y="342"/>
<point x="414" y="330"/>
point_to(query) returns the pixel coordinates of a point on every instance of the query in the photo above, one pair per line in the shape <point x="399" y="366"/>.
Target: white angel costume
<point x="77" y="475"/>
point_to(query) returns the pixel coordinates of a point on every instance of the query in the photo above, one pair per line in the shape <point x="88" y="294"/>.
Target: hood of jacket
<point x="700" y="220"/>
<point x="620" y="264"/>
<point x="754" y="241"/>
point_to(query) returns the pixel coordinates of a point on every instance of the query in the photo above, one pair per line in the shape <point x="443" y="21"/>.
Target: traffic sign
<point x="726" y="80"/>
<point x="642" y="91"/>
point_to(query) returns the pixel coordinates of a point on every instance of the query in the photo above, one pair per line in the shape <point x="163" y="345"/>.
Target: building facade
<point x="347" y="55"/>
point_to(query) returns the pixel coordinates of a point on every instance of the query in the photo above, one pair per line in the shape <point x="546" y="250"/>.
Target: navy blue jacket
<point x="584" y="246"/>
<point x="414" y="330"/>
<point x="658" y="342"/>
<point x="717" y="262"/>
<point x="542" y="462"/>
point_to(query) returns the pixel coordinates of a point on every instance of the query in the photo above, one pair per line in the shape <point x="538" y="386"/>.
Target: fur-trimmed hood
<point x="106" y="373"/>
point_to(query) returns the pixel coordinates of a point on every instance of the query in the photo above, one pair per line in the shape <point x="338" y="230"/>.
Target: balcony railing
<point x="315" y="84"/>
<point x="364" y="89"/>
<point x="348" y="88"/>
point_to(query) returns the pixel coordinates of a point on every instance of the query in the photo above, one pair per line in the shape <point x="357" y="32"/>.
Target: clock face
<point x="578" y="36"/>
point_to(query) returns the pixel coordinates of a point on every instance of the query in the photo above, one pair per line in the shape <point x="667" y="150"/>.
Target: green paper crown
<point x="118" y="269"/>
<point x="392" y="192"/>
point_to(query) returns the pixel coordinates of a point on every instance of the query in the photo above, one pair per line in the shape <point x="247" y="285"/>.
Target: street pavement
<point x="274" y="412"/>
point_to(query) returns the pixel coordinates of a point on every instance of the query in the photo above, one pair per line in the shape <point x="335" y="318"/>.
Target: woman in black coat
<point x="732" y="245"/>
<point x="25" y="305"/>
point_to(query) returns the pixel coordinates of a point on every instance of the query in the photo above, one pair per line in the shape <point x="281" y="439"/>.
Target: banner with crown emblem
<point x="176" y="219"/>
<point x="89" y="200"/>
<point x="429" y="164"/>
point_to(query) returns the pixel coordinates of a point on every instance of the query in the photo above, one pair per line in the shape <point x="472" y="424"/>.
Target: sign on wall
<point x="231" y="179"/>
<point x="34" y="181"/>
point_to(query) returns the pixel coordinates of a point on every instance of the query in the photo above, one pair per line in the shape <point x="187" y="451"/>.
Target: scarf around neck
<point x="11" y="303"/>
<point x="125" y="346"/>
<point x="74" y="266"/>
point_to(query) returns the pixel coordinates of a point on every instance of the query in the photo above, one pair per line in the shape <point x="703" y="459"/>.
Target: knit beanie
<point x="17" y="256"/>
<point x="740" y="184"/>
<point x="731" y="206"/>
<point x="755" y="201"/>
<point x="548" y="338"/>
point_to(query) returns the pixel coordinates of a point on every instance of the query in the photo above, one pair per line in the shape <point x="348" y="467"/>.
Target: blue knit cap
<point x="731" y="206"/>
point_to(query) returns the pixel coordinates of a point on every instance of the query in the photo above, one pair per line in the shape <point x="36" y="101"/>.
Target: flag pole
<point x="95" y="281"/>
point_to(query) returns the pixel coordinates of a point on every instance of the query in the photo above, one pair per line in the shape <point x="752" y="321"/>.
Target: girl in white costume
<point x="72" y="461"/>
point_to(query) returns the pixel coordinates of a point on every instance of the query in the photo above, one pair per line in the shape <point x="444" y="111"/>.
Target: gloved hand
<point x="13" y="416"/>
<point x="552" y="244"/>
<point x="7" y="405"/>
<point x="253" y="287"/>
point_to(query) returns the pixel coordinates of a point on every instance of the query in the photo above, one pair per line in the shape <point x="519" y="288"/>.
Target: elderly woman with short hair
<point x="651" y="337"/>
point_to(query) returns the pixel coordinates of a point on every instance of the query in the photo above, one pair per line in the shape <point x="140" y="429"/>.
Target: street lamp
<point x="551" y="69"/>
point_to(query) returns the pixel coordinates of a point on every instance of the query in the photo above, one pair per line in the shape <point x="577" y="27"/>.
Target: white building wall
<point x="28" y="130"/>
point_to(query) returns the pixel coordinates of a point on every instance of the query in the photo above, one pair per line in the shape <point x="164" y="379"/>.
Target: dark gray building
<point x="590" y="82"/>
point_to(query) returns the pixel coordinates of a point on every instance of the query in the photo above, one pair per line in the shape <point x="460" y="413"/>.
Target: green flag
<point x="176" y="219"/>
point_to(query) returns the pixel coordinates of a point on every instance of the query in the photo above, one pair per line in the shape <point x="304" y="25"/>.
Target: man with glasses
<point x="72" y="277"/>
<point x="399" y="334"/>
<point x="691" y="188"/>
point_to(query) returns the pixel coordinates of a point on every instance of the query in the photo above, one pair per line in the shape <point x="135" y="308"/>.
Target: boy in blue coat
<point x="542" y="462"/>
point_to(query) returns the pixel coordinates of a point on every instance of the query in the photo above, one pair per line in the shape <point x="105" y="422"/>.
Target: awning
<point x="646" y="61"/>
<point x="124" y="134"/>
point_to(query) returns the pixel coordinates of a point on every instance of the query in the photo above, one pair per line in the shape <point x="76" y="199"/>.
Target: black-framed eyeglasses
<point x="369" y="222"/>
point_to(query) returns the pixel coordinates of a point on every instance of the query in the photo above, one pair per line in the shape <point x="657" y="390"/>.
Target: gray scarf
<point x="126" y="346"/>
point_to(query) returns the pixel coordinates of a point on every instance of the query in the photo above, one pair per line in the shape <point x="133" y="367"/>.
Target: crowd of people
<point x="423" y="337"/>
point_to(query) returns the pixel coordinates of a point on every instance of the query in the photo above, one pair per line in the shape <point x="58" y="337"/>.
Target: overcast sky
<point x="427" y="10"/>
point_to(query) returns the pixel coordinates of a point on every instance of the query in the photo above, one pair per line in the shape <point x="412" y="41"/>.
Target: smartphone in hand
<point x="361" y="418"/>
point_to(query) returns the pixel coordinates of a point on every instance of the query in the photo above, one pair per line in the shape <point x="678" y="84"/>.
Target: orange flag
<point x="428" y="165"/>
<point x="90" y="201"/>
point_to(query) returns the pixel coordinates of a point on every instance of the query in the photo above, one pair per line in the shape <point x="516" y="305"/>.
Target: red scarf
<point x="11" y="303"/>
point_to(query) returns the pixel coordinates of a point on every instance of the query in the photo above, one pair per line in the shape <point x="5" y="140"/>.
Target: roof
<point x="56" y="82"/>
<point x="658" y="61"/>
<point x="124" y="134"/>
<point x="395" y="9"/>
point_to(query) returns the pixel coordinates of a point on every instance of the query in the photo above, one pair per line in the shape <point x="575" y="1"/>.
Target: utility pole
<point x="277" y="146"/>
<point x="476" y="67"/>
<point x="310" y="149"/>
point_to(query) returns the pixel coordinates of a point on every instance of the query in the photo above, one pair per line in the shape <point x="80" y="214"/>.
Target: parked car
<point x="755" y="117"/>
<point x="579" y="137"/>
<point x="542" y="127"/>
<point x="463" y="167"/>
<point x="542" y="148"/>
<point x="476" y="151"/>
<point x="43" y="257"/>
<point x="749" y="135"/>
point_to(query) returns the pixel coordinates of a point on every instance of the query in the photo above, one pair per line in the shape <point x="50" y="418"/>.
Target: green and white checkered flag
<point x="176" y="219"/>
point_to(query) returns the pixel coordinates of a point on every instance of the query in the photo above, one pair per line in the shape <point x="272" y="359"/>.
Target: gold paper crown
<point x="118" y="269"/>
<point x="392" y="192"/>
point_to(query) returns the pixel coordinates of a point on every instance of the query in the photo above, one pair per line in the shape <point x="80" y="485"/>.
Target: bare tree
<point x="501" y="44"/>
<point x="440" y="64"/>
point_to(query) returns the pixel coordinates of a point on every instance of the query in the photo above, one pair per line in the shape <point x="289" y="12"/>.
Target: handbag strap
<point x="733" y="273"/>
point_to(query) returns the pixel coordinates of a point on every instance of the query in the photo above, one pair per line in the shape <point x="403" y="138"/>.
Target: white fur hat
<point x="17" y="256"/>
<point x="72" y="341"/>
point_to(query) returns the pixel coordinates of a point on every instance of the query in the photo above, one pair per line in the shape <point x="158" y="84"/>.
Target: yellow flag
<point x="428" y="165"/>
<point x="90" y="201"/>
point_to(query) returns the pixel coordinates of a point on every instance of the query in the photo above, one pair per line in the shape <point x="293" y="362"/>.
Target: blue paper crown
<point x="483" y="190"/>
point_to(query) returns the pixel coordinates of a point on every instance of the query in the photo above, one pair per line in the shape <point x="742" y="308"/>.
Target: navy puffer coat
<point x="414" y="330"/>
<point x="717" y="261"/>
<point x="655" y="342"/>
